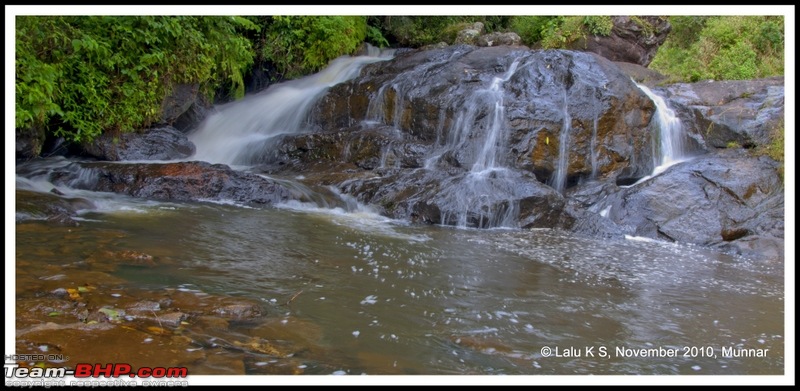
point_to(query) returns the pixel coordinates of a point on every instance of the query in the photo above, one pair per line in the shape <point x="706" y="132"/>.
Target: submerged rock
<point x="34" y="205"/>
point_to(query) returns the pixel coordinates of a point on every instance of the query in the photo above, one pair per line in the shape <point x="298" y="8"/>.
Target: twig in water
<point x="158" y="319"/>
<point x="294" y="297"/>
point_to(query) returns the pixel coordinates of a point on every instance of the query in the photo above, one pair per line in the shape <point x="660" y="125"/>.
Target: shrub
<point x="79" y="76"/>
<point x="299" y="45"/>
<point x="722" y="48"/>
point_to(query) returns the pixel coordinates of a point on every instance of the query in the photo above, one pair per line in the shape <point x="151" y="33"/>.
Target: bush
<point x="79" y="76"/>
<point x="553" y="32"/>
<point x="298" y="45"/>
<point x="530" y="28"/>
<point x="722" y="48"/>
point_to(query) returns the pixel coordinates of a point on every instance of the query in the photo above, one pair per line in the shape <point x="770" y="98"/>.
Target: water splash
<point x="237" y="133"/>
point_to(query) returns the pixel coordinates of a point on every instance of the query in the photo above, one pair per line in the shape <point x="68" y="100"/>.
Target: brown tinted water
<point x="223" y="289"/>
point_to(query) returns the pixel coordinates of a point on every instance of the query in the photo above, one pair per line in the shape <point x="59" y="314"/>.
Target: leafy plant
<point x="80" y="76"/>
<point x="553" y="32"/>
<point x="298" y="45"/>
<point x="722" y="48"/>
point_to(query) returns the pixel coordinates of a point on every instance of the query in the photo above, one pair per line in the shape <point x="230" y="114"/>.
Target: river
<point x="352" y="292"/>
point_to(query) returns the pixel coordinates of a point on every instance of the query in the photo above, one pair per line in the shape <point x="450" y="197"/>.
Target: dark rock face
<point x="435" y="97"/>
<point x="735" y="111"/>
<point x="184" y="108"/>
<point x="187" y="181"/>
<point x="165" y="143"/>
<point x="476" y="136"/>
<point x="632" y="39"/>
<point x="728" y="200"/>
<point x="183" y="96"/>
<point x="28" y="143"/>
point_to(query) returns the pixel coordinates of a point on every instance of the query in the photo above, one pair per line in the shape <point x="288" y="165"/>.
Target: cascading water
<point x="484" y="193"/>
<point x="237" y="132"/>
<point x="593" y="145"/>
<point x="560" y="177"/>
<point x="669" y="134"/>
<point x="487" y="158"/>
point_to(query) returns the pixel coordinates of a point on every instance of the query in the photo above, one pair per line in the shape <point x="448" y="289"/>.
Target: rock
<point x="741" y="112"/>
<point x="133" y="258"/>
<point x="181" y="98"/>
<point x="197" y="112"/>
<point x="238" y="311"/>
<point x="103" y="343"/>
<point x="143" y="307"/>
<point x="640" y="74"/>
<point x="185" y="181"/>
<point x="440" y="150"/>
<point x="172" y="319"/>
<point x="425" y="94"/>
<point x="28" y="143"/>
<point x="633" y="39"/>
<point x="439" y="45"/>
<point x="498" y="39"/>
<point x="729" y="200"/>
<point x="164" y="143"/>
<point x="470" y="34"/>
<point x="34" y="205"/>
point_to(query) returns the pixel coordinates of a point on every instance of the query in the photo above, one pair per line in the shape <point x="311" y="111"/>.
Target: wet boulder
<point x="163" y="143"/>
<point x="730" y="112"/>
<point x="184" y="181"/>
<point x="728" y="200"/>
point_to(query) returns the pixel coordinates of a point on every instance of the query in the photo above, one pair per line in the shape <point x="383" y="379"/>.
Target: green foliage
<point x="722" y="48"/>
<point x="417" y="31"/>
<point x="559" y="31"/>
<point x="685" y="30"/>
<point x="737" y="62"/>
<point x="775" y="149"/>
<point x="298" y="45"/>
<point x="602" y="25"/>
<point x="375" y="37"/>
<point x="79" y="76"/>
<point x="562" y="31"/>
<point x="530" y="28"/>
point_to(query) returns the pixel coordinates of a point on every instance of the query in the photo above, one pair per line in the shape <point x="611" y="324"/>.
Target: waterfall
<point x="237" y="132"/>
<point x="482" y="196"/>
<point x="593" y="147"/>
<point x="487" y="158"/>
<point x="560" y="177"/>
<point x="376" y="106"/>
<point x="668" y="133"/>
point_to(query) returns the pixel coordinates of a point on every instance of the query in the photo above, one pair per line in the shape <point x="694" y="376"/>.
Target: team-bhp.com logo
<point x="95" y="375"/>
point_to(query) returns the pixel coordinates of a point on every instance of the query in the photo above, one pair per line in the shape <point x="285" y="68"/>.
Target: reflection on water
<point x="353" y="293"/>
